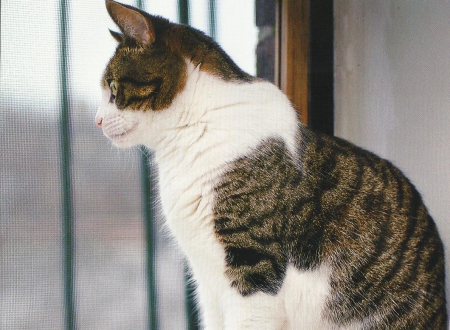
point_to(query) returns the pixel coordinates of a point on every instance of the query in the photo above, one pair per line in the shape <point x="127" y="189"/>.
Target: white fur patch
<point x="305" y="293"/>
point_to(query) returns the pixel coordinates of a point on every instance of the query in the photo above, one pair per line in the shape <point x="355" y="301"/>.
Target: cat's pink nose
<point x="98" y="121"/>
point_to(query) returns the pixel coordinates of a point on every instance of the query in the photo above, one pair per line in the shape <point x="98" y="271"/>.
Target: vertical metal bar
<point x="212" y="19"/>
<point x="183" y="11"/>
<point x="147" y="203"/>
<point x="67" y="213"/>
<point x="147" y="197"/>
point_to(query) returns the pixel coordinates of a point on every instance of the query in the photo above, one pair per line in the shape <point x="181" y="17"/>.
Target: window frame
<point x="291" y="72"/>
<point x="305" y="60"/>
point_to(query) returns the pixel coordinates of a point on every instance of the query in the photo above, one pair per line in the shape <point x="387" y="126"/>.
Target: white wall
<point x="392" y="91"/>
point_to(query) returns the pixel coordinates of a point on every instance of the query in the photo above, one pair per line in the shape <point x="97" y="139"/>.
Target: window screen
<point x="80" y="244"/>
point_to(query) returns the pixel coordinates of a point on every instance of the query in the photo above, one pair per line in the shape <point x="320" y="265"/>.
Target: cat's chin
<point x="124" y="140"/>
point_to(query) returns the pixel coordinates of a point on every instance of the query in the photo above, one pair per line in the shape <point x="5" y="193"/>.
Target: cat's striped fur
<point x="283" y="228"/>
<point x="341" y="206"/>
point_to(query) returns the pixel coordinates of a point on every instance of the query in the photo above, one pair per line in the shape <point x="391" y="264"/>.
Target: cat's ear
<point x="131" y="22"/>
<point x="116" y="35"/>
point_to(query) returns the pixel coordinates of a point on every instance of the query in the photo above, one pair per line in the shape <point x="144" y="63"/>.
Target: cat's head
<point x="149" y="70"/>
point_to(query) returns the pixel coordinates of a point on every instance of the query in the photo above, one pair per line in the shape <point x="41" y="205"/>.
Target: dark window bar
<point x="191" y="311"/>
<point x="66" y="186"/>
<point x="265" y="14"/>
<point x="212" y="19"/>
<point x="321" y="67"/>
<point x="148" y="215"/>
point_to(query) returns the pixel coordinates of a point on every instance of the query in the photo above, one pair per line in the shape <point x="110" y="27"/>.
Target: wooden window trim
<point x="291" y="72"/>
<point x="305" y="63"/>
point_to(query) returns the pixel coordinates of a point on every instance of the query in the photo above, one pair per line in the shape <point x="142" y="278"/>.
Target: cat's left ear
<point x="131" y="22"/>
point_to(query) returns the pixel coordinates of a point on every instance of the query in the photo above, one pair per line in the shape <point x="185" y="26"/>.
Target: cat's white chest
<point x="187" y="197"/>
<point x="187" y="204"/>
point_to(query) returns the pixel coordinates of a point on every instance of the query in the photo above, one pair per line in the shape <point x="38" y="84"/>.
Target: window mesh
<point x="109" y="195"/>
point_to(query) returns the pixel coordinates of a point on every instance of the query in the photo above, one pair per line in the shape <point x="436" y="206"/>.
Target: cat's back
<point x="339" y="208"/>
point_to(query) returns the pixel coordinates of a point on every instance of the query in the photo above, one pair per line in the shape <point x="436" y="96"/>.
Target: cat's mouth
<point x="121" y="135"/>
<point x="117" y="129"/>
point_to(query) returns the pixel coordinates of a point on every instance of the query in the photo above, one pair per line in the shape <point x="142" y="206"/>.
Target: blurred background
<point x="80" y="244"/>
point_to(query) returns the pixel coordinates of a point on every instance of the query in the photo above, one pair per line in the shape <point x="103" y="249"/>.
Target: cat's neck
<point x="230" y="119"/>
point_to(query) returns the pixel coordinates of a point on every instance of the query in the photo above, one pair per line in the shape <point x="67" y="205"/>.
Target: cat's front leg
<point x="258" y="311"/>
<point x="211" y="313"/>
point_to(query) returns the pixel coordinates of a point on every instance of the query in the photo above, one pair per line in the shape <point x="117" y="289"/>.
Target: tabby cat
<point x="283" y="228"/>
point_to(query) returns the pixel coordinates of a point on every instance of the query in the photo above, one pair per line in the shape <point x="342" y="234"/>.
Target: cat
<point x="283" y="228"/>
